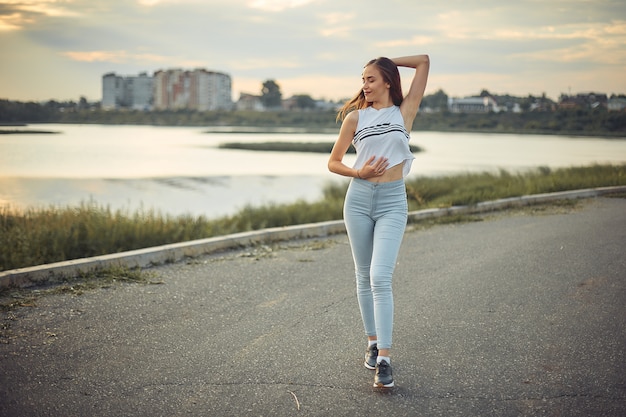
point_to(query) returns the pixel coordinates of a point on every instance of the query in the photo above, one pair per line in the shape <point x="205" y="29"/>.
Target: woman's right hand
<point x="374" y="167"/>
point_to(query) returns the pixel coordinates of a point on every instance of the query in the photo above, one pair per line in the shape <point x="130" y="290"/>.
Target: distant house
<point x="542" y="104"/>
<point x="617" y="104"/>
<point x="473" y="105"/>
<point x="583" y="101"/>
<point x="290" y="103"/>
<point x="249" y="102"/>
<point x="510" y="107"/>
<point x="327" y="105"/>
<point x="571" y="102"/>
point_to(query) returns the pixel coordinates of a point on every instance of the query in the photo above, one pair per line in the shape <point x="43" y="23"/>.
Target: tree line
<point x="589" y="122"/>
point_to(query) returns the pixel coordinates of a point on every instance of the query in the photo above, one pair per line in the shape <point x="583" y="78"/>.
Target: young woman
<point x="377" y="122"/>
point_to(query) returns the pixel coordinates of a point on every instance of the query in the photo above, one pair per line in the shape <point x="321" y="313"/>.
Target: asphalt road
<point x="520" y="314"/>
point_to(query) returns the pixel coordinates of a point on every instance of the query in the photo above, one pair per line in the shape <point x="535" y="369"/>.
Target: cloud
<point x="417" y="41"/>
<point x="13" y="21"/>
<point x="277" y="5"/>
<point x="260" y="63"/>
<point x="148" y="62"/>
<point x="306" y="44"/>
<point x="336" y="24"/>
<point x="574" y="43"/>
<point x="16" y="14"/>
<point x="112" y="56"/>
<point x="95" y="56"/>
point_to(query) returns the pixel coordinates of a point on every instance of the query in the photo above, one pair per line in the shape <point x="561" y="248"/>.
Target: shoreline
<point x="29" y="132"/>
<point x="241" y="129"/>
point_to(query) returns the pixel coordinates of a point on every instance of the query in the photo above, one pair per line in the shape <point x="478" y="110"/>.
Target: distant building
<point x="249" y="102"/>
<point x="511" y="107"/>
<point x="140" y="91"/>
<point x="196" y="90"/>
<point x="290" y="103"/>
<point x="583" y="101"/>
<point x="327" y="105"/>
<point x="214" y="90"/>
<point x="472" y="105"/>
<point x="168" y="90"/>
<point x="171" y="90"/>
<point x="542" y="105"/>
<point x="134" y="92"/>
<point x="617" y="104"/>
<point x="112" y="91"/>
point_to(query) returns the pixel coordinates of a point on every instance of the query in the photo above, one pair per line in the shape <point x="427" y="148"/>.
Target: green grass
<point x="39" y="236"/>
<point x="470" y="189"/>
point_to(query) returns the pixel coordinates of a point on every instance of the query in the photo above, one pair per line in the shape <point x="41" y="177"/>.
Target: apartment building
<point x="168" y="90"/>
<point x="199" y="89"/>
<point x="134" y="92"/>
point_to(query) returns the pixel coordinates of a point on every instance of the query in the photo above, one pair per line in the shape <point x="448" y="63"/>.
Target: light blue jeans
<point x="375" y="216"/>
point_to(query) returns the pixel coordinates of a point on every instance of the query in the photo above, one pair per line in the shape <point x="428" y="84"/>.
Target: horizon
<point x="60" y="50"/>
<point x="284" y="97"/>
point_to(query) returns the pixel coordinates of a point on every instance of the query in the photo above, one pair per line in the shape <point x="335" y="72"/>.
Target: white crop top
<point x="382" y="133"/>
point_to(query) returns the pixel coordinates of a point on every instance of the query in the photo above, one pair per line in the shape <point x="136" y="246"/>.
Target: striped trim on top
<point x="378" y="130"/>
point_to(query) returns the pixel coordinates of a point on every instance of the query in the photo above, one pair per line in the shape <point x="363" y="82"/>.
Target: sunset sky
<point x="59" y="49"/>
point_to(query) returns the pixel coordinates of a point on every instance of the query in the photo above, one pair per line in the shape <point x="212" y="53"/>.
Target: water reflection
<point x="181" y="170"/>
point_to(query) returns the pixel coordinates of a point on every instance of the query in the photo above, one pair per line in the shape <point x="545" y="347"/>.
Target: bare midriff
<point x="391" y="174"/>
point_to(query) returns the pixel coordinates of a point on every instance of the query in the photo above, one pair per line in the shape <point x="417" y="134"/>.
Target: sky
<point x="60" y="49"/>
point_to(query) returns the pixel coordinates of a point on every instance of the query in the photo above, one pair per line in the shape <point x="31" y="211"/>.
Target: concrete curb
<point x="505" y="203"/>
<point x="56" y="272"/>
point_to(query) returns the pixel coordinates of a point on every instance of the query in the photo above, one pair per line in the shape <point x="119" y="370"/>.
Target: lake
<point x="181" y="170"/>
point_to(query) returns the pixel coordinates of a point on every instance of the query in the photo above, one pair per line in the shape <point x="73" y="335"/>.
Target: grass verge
<point x="40" y="236"/>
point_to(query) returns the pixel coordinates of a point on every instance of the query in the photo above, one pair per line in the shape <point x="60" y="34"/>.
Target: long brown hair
<point x="391" y="76"/>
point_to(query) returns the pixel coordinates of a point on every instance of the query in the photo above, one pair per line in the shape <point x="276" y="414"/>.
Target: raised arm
<point x="413" y="98"/>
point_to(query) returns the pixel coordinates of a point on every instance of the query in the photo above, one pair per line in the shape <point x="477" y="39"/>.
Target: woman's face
<point x="374" y="86"/>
